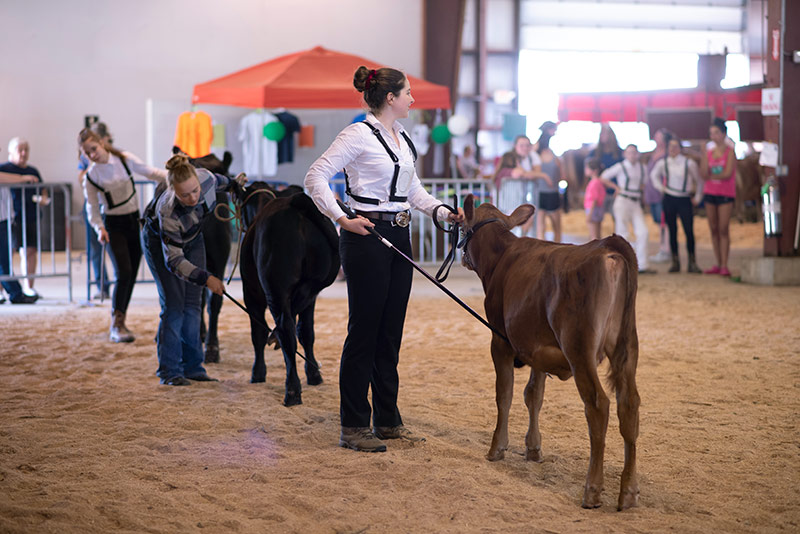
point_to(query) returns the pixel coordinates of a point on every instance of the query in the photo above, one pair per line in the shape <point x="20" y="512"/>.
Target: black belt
<point x="629" y="197"/>
<point x="397" y="218"/>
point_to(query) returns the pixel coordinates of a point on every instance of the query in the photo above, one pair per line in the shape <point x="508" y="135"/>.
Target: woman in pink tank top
<point x="718" y="169"/>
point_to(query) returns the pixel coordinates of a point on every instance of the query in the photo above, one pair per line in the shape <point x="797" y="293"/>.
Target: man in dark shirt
<point x="18" y="152"/>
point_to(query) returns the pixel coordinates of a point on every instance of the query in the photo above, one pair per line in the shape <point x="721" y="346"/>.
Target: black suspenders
<point x="393" y="197"/>
<point x="628" y="178"/>
<point x="109" y="200"/>
<point x="685" y="174"/>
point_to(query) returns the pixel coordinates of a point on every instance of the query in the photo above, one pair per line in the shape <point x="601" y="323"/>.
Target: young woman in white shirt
<point x="112" y="207"/>
<point x="678" y="178"/>
<point x="382" y="184"/>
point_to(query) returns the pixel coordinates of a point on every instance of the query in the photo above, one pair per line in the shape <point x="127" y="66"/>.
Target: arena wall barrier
<point x="53" y="233"/>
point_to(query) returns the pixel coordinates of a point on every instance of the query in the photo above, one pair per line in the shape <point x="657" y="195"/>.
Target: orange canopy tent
<point x="316" y="78"/>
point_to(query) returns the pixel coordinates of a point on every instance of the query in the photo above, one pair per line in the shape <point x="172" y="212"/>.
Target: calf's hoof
<point x="258" y="379"/>
<point x="591" y="497"/>
<point x="292" y="398"/>
<point x="496" y="455"/>
<point x="212" y="353"/>
<point x="628" y="499"/>
<point x="313" y="377"/>
<point x="534" y="455"/>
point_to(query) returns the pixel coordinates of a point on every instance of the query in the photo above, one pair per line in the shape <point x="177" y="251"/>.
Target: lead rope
<point x="236" y="214"/>
<point x="453" y="232"/>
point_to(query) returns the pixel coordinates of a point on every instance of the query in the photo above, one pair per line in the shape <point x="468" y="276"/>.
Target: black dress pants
<point x="126" y="253"/>
<point x="674" y="208"/>
<point x="378" y="287"/>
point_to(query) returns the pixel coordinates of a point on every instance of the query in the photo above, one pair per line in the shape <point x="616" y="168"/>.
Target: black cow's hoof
<point x="258" y="379"/>
<point x="314" y="378"/>
<point x="212" y="354"/>
<point x="292" y="399"/>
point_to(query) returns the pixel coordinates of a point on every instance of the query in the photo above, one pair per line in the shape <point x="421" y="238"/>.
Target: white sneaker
<point x="661" y="257"/>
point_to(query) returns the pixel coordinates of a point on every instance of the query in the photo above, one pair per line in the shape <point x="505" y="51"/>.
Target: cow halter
<point x="468" y="235"/>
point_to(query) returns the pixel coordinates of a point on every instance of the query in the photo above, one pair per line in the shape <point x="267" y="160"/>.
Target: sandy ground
<point x="90" y="442"/>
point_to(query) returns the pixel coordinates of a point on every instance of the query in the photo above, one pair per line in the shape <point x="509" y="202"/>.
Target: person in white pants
<point x="630" y="175"/>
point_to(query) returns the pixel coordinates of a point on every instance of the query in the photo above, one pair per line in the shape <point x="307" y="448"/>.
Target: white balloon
<point x="458" y="125"/>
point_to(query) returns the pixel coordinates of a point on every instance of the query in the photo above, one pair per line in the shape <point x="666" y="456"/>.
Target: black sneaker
<point x="202" y="377"/>
<point x="25" y="299"/>
<point x="176" y="381"/>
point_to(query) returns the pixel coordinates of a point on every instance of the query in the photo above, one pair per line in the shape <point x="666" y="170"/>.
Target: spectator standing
<point x="629" y="177"/>
<point x="26" y="213"/>
<point x="678" y="178"/>
<point x="653" y="198"/>
<point x="594" y="198"/>
<point x="15" y="293"/>
<point x="608" y="153"/>
<point x="549" y="202"/>
<point x="718" y="169"/>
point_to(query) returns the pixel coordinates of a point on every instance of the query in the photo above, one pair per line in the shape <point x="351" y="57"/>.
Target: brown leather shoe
<point x="397" y="432"/>
<point x="360" y="438"/>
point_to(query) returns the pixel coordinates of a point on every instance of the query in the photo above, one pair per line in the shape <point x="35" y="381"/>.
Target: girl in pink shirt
<point x="718" y="170"/>
<point x="593" y="198"/>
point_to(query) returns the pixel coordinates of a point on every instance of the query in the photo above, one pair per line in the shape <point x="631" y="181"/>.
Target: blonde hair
<point x="179" y="170"/>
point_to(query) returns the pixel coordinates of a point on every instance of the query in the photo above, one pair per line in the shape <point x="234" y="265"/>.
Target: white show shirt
<point x="259" y="153"/>
<point x="369" y="169"/>
<point x="682" y="178"/>
<point x="112" y="176"/>
<point x="629" y="177"/>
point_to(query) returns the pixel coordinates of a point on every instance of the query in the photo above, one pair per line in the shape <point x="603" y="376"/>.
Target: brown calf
<point x="562" y="308"/>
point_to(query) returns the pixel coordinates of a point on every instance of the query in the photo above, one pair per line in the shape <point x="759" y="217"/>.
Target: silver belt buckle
<point x="402" y="219"/>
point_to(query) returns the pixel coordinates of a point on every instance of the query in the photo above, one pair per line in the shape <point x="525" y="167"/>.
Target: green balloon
<point x="274" y="131"/>
<point x="440" y="134"/>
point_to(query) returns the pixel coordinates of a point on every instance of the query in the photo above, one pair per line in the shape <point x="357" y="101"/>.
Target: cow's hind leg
<point x="628" y="413"/>
<point x="256" y="306"/>
<point x="534" y="394"/>
<point x="504" y="391"/>
<point x="285" y="330"/>
<point x="596" y="405"/>
<point x="305" y="335"/>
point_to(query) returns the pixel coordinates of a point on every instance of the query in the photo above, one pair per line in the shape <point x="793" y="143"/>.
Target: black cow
<point x="217" y="238"/>
<point x="289" y="254"/>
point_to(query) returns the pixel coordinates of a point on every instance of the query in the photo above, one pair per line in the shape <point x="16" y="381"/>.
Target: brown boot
<point x="119" y="333"/>
<point x="360" y="438"/>
<point x="693" y="268"/>
<point x="676" y="264"/>
<point x="397" y="432"/>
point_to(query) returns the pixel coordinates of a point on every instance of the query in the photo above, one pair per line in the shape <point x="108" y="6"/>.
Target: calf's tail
<point x="627" y="346"/>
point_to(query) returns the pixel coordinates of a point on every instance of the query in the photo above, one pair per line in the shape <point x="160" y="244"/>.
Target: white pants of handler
<point x="628" y="211"/>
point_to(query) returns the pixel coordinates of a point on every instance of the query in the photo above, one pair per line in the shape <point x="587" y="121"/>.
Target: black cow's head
<point x="210" y="162"/>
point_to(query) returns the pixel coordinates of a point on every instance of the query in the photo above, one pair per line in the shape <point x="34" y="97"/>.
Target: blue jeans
<point x="12" y="287"/>
<point x="180" y="351"/>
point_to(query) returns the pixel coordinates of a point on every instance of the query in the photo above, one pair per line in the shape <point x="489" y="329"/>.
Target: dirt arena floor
<point x="91" y="443"/>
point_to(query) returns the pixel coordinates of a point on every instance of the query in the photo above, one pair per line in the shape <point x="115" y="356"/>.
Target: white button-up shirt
<point x="630" y="177"/>
<point x="682" y="178"/>
<point x="369" y="169"/>
<point x="113" y="176"/>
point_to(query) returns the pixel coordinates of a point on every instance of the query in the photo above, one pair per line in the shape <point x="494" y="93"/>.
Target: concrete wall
<point x="64" y="60"/>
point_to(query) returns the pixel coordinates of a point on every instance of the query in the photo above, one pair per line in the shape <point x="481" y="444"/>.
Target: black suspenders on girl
<point x="628" y="178"/>
<point x="393" y="191"/>
<point x="109" y="199"/>
<point x="685" y="175"/>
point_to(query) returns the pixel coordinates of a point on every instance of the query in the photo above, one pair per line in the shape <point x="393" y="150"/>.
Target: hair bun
<point x="176" y="161"/>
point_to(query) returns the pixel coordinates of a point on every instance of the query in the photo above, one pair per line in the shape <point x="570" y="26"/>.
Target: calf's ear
<point x="469" y="207"/>
<point x="521" y="214"/>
